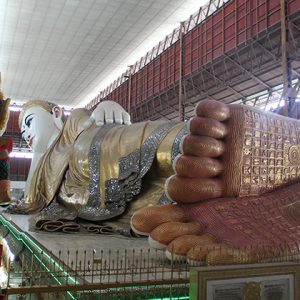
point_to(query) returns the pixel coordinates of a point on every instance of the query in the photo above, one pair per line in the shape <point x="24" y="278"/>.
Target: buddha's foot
<point x="234" y="150"/>
<point x="247" y="157"/>
<point x="226" y="230"/>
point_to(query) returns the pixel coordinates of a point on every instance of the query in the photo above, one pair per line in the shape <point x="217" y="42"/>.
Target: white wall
<point x="20" y="185"/>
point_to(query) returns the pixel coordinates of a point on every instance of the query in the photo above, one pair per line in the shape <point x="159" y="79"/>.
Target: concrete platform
<point x="62" y="241"/>
<point x="100" y="258"/>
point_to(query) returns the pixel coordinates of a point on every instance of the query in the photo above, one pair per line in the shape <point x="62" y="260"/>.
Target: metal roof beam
<point x="225" y="84"/>
<point x="273" y="55"/>
<point x="195" y="87"/>
<point x="248" y="73"/>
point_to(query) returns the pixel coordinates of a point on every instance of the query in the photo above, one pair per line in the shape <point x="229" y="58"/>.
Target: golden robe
<point x="97" y="172"/>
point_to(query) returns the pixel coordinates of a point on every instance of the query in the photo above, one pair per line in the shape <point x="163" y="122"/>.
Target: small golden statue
<point x="5" y="149"/>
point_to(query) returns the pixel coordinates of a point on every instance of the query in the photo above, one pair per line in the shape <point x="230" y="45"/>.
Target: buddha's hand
<point x="108" y="112"/>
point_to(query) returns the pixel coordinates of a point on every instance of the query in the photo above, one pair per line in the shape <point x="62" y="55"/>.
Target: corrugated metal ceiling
<point x="65" y="51"/>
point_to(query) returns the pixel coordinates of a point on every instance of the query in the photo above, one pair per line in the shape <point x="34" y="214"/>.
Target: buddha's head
<point x="39" y="121"/>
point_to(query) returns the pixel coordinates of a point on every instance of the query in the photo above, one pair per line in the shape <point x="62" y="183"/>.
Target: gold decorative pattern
<point x="252" y="291"/>
<point x="4" y="114"/>
<point x="291" y="154"/>
<point x="271" y="152"/>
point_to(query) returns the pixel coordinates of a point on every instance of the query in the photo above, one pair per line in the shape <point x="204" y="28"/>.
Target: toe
<point x="202" y="146"/>
<point x="198" y="253"/>
<point x="213" y="109"/>
<point x="226" y="256"/>
<point x="148" y="218"/>
<point x="200" y="167"/>
<point x="190" y="190"/>
<point x="207" y="127"/>
<point x="180" y="246"/>
<point x="165" y="233"/>
<point x="217" y="254"/>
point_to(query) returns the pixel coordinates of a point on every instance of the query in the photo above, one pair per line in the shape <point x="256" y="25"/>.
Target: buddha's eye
<point x="28" y="120"/>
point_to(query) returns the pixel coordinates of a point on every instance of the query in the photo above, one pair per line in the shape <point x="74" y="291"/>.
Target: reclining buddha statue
<point x="91" y="165"/>
<point x="226" y="179"/>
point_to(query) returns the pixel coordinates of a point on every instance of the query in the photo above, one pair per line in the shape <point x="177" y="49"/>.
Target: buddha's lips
<point x="30" y="142"/>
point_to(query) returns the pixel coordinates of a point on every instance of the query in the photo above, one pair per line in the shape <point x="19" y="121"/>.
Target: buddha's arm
<point x="75" y="124"/>
<point x="34" y="162"/>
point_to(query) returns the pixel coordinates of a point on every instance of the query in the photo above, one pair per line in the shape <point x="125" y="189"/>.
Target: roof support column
<point x="286" y="64"/>
<point x="181" y="73"/>
<point x="129" y="89"/>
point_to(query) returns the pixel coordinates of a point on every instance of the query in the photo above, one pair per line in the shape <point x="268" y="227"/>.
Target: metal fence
<point x="121" y="274"/>
<point x="29" y="271"/>
<point x="128" y="274"/>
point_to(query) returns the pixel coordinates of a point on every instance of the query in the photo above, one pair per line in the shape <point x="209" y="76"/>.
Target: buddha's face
<point x="38" y="127"/>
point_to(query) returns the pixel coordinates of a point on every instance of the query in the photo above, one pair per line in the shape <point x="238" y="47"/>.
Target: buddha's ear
<point x="57" y="116"/>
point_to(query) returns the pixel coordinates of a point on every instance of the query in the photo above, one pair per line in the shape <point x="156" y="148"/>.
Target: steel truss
<point x="252" y="68"/>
